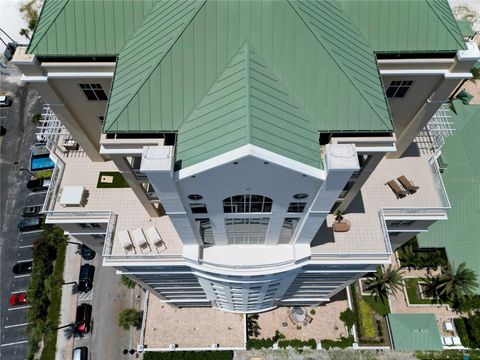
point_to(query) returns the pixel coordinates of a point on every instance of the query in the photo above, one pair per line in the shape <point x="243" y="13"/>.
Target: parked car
<point x="30" y="224"/>
<point x="82" y="319"/>
<point x="85" y="279"/>
<point x="38" y="184"/>
<point x="18" y="299"/>
<point x="24" y="267"/>
<point x="5" y="101"/>
<point x="87" y="253"/>
<point x="10" y="50"/>
<point x="33" y="210"/>
<point x="80" y="353"/>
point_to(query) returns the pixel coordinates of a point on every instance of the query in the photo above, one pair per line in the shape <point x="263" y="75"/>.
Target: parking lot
<point x="15" y="246"/>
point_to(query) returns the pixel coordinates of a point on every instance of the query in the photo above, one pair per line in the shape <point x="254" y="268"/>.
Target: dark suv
<point x="85" y="279"/>
<point x="30" y="224"/>
<point x="24" y="267"/>
<point x="38" y="184"/>
<point x="82" y="319"/>
<point x="32" y="210"/>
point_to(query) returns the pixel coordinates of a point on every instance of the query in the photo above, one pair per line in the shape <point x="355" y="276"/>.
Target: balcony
<point x="368" y="236"/>
<point x="118" y="208"/>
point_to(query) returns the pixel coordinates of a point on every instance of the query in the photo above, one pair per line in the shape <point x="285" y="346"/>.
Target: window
<point x="398" y="89"/>
<point x="198" y="208"/>
<point x="402" y="223"/>
<point x="93" y="91"/>
<point x="296" y="207"/>
<point x="247" y="204"/>
<point x="195" y="197"/>
<point x="246" y="231"/>
<point x="89" y="225"/>
<point x="288" y="229"/>
<point x="205" y="229"/>
<point x="300" y="196"/>
<point x="101" y="119"/>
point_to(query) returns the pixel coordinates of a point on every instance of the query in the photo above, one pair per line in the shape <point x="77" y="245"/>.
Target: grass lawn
<point x="377" y="305"/>
<point x="118" y="180"/>
<point x="53" y="316"/>
<point x="411" y="285"/>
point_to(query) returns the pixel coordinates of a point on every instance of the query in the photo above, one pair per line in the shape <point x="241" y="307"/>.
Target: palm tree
<point x="381" y="284"/>
<point x="407" y="257"/>
<point x="430" y="288"/>
<point x="456" y="283"/>
<point x="25" y="32"/>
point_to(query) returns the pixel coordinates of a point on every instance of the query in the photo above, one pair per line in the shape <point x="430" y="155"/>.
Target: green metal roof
<point x="248" y="105"/>
<point x="412" y="332"/>
<point x="406" y="25"/>
<point x="466" y="28"/>
<point x="459" y="234"/>
<point x="83" y="28"/>
<point x="309" y="60"/>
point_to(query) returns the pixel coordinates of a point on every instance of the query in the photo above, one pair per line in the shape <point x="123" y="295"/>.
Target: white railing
<point x="55" y="180"/>
<point x="439" y="181"/>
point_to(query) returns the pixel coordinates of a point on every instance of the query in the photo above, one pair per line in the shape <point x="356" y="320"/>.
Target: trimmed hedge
<point x="468" y="330"/>
<point x="189" y="355"/>
<point x="366" y="320"/>
<point x="297" y="344"/>
<point x="447" y="355"/>
<point x="260" y="343"/>
<point x="343" y="343"/>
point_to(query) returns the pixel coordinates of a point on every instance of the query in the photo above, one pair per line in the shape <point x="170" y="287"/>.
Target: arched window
<point x="247" y="204"/>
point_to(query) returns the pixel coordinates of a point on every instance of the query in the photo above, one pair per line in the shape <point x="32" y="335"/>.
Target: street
<point x="15" y="246"/>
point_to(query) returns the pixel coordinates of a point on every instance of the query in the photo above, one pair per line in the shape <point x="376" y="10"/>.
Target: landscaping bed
<point x="413" y="292"/>
<point x="189" y="355"/>
<point x="117" y="180"/>
<point x="371" y="323"/>
<point x="468" y="330"/>
<point x="411" y="256"/>
<point x="45" y="290"/>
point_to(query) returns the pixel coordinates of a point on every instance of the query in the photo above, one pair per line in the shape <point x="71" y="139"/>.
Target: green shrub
<point x="313" y="312"/>
<point x="366" y="320"/>
<point x="129" y="283"/>
<point x="43" y="174"/>
<point x="189" y="355"/>
<point x="260" y="343"/>
<point x="462" y="331"/>
<point x="36" y="118"/>
<point x="130" y="317"/>
<point x="447" y="355"/>
<point x="348" y="317"/>
<point x="298" y="344"/>
<point x="343" y="343"/>
<point x="472" y="324"/>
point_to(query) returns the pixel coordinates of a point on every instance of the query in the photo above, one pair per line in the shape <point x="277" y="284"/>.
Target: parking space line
<point x="16" y="325"/>
<point x="19" y="307"/>
<point x="22" y="261"/>
<point x="37" y="192"/>
<point x="15" y="343"/>
<point x="17" y="292"/>
<point x="25" y="246"/>
<point x="21" y="276"/>
<point x="30" y="232"/>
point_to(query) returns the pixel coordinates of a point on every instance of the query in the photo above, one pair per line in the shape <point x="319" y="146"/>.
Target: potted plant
<point x="340" y="224"/>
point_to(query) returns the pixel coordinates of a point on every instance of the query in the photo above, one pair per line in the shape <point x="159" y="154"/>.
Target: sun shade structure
<point x="412" y="332"/>
<point x="459" y="234"/>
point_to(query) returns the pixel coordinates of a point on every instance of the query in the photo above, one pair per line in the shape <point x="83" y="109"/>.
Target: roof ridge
<point x="158" y="62"/>
<point x="249" y="102"/>
<point x="442" y="19"/>
<point x="51" y="22"/>
<point x="329" y="52"/>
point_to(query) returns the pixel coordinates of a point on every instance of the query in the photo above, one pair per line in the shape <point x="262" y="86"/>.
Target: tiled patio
<point x="325" y="324"/>
<point x="192" y="328"/>
<point x="81" y="171"/>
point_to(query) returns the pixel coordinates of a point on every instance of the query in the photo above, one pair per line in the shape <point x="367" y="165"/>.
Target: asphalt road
<point x="14" y="246"/>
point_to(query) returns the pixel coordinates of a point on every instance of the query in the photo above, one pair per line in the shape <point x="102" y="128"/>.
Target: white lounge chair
<point x="447" y="341"/>
<point x="154" y="237"/>
<point x="140" y="240"/>
<point x="456" y="341"/>
<point x="126" y="241"/>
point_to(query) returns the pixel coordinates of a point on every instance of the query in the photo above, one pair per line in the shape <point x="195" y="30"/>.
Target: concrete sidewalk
<point x="69" y="301"/>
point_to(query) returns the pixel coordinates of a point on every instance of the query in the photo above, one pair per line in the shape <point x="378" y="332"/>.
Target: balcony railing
<point x="56" y="179"/>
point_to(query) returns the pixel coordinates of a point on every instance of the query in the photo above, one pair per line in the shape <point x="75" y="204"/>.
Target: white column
<point x="158" y="165"/>
<point x="342" y="161"/>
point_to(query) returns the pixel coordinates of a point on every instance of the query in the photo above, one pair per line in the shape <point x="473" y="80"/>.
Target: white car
<point x="5" y="100"/>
